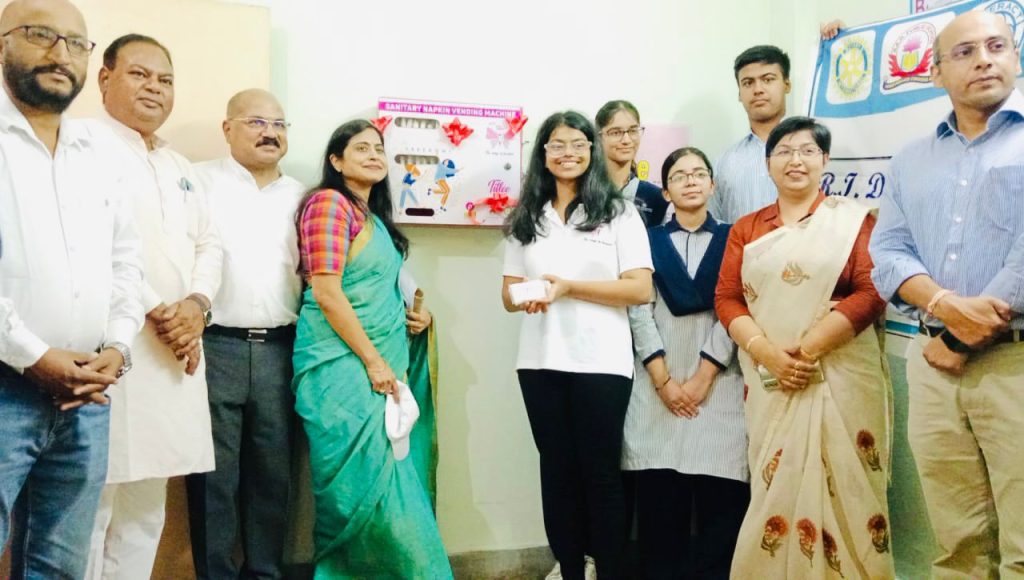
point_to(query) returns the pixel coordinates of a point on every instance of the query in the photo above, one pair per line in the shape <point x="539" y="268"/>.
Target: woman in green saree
<point x="373" y="516"/>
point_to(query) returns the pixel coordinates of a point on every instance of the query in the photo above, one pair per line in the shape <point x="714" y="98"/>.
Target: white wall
<point x="672" y="58"/>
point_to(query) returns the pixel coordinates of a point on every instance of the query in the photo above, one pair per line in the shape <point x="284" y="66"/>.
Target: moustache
<point x="55" y="68"/>
<point x="269" y="141"/>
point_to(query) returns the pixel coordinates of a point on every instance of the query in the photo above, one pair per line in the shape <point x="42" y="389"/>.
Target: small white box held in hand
<point x="527" y="291"/>
<point x="399" y="418"/>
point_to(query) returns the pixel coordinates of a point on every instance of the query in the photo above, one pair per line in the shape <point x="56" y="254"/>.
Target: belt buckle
<point x="256" y="335"/>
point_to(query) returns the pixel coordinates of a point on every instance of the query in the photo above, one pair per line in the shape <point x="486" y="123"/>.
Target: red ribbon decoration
<point x="381" y="122"/>
<point x="515" y="125"/>
<point x="456" y="131"/>
<point x="496" y="203"/>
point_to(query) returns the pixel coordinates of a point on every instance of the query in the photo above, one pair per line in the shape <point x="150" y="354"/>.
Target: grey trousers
<point x="245" y="500"/>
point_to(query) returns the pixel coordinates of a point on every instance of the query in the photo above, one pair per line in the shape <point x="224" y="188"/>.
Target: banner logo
<point x="851" y="69"/>
<point x="910" y="58"/>
<point x="1013" y="12"/>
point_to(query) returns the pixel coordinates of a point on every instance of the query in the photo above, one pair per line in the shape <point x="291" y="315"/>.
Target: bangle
<point x="930" y="310"/>
<point x="664" y="383"/>
<point x="806" y="354"/>
<point x="751" y="341"/>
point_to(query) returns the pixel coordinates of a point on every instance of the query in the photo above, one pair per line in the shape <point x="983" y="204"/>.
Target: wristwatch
<point x="204" y="306"/>
<point x="126" y="354"/>
<point x="953" y="343"/>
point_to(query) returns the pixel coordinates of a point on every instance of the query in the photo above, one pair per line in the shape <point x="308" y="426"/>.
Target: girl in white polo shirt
<point x="573" y="229"/>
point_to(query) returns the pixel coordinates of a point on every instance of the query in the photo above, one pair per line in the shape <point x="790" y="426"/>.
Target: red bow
<point x="497" y="202"/>
<point x="457" y="131"/>
<point x="515" y="125"/>
<point x="381" y="122"/>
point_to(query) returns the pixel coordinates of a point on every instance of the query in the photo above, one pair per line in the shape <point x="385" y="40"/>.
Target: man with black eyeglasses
<point x="70" y="278"/>
<point x="249" y="347"/>
<point x="160" y="420"/>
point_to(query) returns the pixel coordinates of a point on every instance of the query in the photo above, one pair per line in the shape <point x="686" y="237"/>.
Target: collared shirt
<point x="172" y="214"/>
<point x="742" y="183"/>
<point x="955" y="211"/>
<point x="70" y="267"/>
<point x="261" y="285"/>
<point x="857" y="298"/>
<point x="576" y="335"/>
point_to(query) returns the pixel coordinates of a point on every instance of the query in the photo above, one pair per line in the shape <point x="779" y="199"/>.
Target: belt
<point x="277" y="333"/>
<point x="1006" y="337"/>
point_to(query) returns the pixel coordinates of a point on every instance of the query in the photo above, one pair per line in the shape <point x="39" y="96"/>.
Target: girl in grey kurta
<point x="685" y="436"/>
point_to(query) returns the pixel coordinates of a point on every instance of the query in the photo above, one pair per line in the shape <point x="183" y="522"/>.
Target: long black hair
<point x="601" y="200"/>
<point x="379" y="203"/>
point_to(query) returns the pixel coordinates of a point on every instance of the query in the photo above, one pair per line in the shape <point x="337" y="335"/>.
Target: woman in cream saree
<point x="818" y="399"/>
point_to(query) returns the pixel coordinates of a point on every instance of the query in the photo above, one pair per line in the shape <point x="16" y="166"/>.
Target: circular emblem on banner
<point x="1013" y="12"/>
<point x="851" y="68"/>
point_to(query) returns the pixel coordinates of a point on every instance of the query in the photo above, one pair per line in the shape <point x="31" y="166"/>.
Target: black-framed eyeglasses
<point x="616" y="134"/>
<point x="261" y="124"/>
<point x="46" y="37"/>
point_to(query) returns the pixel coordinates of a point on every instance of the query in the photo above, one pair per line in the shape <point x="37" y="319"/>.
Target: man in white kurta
<point x="160" y="421"/>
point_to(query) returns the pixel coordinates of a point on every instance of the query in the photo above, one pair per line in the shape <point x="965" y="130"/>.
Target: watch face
<point x="208" y="317"/>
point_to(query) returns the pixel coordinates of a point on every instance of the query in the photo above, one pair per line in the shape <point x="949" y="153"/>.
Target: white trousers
<point x="127" y="530"/>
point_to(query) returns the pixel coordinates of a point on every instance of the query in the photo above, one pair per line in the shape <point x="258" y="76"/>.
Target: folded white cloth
<point x="399" y="417"/>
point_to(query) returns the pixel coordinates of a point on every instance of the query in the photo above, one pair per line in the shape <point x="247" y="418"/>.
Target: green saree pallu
<point x="374" y="518"/>
<point x="423" y="384"/>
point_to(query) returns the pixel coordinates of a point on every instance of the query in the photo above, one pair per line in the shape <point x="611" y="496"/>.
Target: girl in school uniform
<point x="573" y="229"/>
<point x="685" y="441"/>
<point x="619" y="124"/>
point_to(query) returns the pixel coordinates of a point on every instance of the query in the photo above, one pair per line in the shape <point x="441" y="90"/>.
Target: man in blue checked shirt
<point x="949" y="247"/>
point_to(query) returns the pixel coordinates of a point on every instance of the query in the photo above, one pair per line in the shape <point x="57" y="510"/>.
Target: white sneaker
<point x="589" y="570"/>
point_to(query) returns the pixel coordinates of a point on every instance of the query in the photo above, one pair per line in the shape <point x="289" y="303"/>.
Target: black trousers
<point x="577" y="422"/>
<point x="246" y="497"/>
<point x="687" y="524"/>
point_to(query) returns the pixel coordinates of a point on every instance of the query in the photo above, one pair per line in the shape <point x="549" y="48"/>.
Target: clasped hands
<point x="557" y="289"/>
<point x="793" y="366"/>
<point x="976" y="321"/>
<point x="180" y="326"/>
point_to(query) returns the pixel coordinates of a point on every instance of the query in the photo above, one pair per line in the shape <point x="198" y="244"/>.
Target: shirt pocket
<point x="1002" y="204"/>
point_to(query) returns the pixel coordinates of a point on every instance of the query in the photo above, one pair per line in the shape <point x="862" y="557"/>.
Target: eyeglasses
<point x="45" y="37"/>
<point x="365" y="148"/>
<point x="616" y="134"/>
<point x="803" y="152"/>
<point x="557" y="148"/>
<point x="966" y="51"/>
<point x="261" y="124"/>
<point x="684" y="177"/>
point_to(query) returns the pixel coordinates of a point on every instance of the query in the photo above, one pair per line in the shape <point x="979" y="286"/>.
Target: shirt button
<point x="958" y="219"/>
<point x="952" y="257"/>
<point x="963" y="182"/>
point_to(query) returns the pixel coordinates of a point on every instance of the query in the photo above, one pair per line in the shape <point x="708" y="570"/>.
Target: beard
<point x="24" y="85"/>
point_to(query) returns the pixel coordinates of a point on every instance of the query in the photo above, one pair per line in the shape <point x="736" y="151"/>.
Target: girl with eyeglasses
<point x="573" y="231"/>
<point x="685" y="442"/>
<point x="619" y="124"/>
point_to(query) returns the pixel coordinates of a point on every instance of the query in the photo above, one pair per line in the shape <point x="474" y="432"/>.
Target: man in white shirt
<point x="160" y="421"/>
<point x="70" y="271"/>
<point x="249" y="347"/>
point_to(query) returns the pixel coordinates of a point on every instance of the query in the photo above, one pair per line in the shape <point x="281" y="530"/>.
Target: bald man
<point x="249" y="346"/>
<point x="70" y="281"/>
<point x="949" y="247"/>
